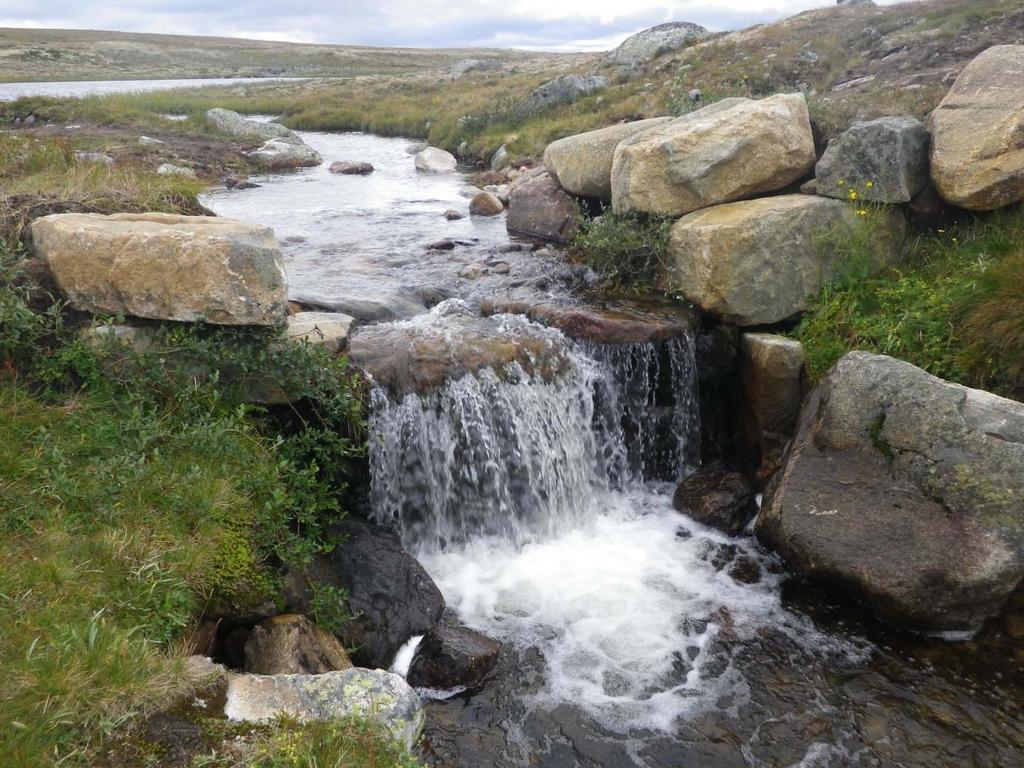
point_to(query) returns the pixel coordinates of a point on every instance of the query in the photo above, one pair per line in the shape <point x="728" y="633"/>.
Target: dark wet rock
<point x="538" y="207"/>
<point x="717" y="497"/>
<point x="451" y="655"/>
<point x="421" y="355"/>
<point x="390" y="596"/>
<point x="773" y="378"/>
<point x="883" y="161"/>
<point x="292" y="644"/>
<point x="453" y="215"/>
<point x="611" y="322"/>
<point x="238" y="182"/>
<point x="745" y="570"/>
<point x="905" y="490"/>
<point x="445" y="244"/>
<point x="718" y="391"/>
<point x="351" y="168"/>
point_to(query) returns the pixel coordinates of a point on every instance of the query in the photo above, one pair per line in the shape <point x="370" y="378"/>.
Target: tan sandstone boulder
<point x="977" y="149"/>
<point x="291" y="644"/>
<point x="582" y="164"/>
<point x="759" y="261"/>
<point x="730" y="150"/>
<point x="165" y="267"/>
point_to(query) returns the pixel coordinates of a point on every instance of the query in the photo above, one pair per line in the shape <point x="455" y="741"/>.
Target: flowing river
<point x="539" y="498"/>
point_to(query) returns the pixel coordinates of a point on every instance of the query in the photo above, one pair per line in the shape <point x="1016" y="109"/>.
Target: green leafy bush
<point x="628" y="251"/>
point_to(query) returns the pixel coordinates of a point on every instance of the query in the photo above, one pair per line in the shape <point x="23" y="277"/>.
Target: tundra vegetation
<point x="134" y="498"/>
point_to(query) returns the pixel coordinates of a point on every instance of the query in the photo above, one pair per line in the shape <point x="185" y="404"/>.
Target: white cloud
<point x="543" y="24"/>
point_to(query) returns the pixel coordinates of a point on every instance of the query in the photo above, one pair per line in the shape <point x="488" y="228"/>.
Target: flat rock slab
<point x="165" y="267"/>
<point x="978" y="133"/>
<point x="327" y="329"/>
<point x="374" y="694"/>
<point x="907" y="491"/>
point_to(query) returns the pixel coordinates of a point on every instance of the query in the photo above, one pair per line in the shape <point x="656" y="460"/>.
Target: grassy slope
<point x="57" y="54"/>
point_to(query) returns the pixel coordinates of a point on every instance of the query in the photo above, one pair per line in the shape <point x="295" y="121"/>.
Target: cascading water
<point x="519" y="459"/>
<point x="542" y="511"/>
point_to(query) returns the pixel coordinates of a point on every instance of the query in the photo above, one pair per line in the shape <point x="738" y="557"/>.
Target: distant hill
<point x="66" y="54"/>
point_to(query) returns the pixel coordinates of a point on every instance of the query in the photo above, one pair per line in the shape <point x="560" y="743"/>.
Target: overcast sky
<point x="538" y="24"/>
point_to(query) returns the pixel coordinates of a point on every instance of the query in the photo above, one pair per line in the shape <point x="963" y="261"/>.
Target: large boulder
<point x="760" y="261"/>
<point x="291" y="644"/>
<point x="165" y="267"/>
<point x="908" y="491"/>
<point x="582" y="164"/>
<point x="882" y="161"/>
<point x="435" y="160"/>
<point x="978" y="133"/>
<point x="450" y="656"/>
<point x="563" y="90"/>
<point x="380" y="696"/>
<point x="285" y="155"/>
<point x="730" y="150"/>
<point x="539" y="207"/>
<point x="390" y="596"/>
<point x="650" y="43"/>
<point x="772" y="376"/>
<point x="234" y="124"/>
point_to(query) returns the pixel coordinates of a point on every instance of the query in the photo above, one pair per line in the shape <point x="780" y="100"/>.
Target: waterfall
<point x="518" y="458"/>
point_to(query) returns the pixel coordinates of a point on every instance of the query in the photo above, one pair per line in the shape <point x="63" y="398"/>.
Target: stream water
<point x="541" y="505"/>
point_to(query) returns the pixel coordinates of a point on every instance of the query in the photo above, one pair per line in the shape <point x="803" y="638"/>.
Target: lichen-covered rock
<point x="327" y="329"/>
<point x="650" y="43"/>
<point x="883" y="161"/>
<point x="291" y="644"/>
<point x="165" y="267"/>
<point x="485" y="204"/>
<point x="566" y="89"/>
<point x="170" y="169"/>
<point x="285" y="154"/>
<point x="539" y="207"/>
<point x="760" y="261"/>
<point x="234" y="124"/>
<point x="730" y="150"/>
<point x="435" y="160"/>
<point x="978" y="133"/>
<point x="373" y="694"/>
<point x="906" y="490"/>
<point x="582" y="164"/>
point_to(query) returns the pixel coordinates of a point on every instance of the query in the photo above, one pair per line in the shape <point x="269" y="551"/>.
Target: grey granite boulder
<point x="649" y="43"/>
<point x="882" y="161"/>
<point x="566" y="89"/>
<point x="285" y="154"/>
<point x="234" y="124"/>
<point x="907" y="491"/>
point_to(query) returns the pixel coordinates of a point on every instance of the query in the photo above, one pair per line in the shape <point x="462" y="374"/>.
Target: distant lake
<point x="12" y="91"/>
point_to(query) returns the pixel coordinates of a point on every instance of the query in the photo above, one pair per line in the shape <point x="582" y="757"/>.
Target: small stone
<point x="169" y="169"/>
<point x="453" y="215"/>
<point x="148" y="141"/>
<point x="94" y="157"/>
<point x="351" y="168"/>
<point x="485" y="204"/>
<point x="446" y="244"/>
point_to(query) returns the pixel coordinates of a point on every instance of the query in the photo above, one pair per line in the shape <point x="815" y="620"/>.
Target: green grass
<point x="136" y="494"/>
<point x="953" y="305"/>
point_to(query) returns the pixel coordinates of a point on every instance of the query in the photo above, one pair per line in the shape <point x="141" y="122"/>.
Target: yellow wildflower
<point x="840" y="183"/>
<point x="870" y="185"/>
<point x="853" y="194"/>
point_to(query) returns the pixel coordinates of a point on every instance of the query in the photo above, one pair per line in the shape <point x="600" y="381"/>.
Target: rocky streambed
<point x="525" y="446"/>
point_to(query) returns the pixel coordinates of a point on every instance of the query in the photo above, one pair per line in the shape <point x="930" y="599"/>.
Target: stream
<point x="537" y="493"/>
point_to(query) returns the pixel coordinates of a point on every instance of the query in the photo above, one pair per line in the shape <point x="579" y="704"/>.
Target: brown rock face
<point x="450" y="656"/>
<point x="977" y="149"/>
<point x="293" y="645"/>
<point x="485" y="204"/>
<point x="540" y="208"/>
<point x="165" y="267"/>
<point x="730" y="150"/>
<point x="582" y="164"/>
<point x="772" y="372"/>
<point x="717" y="497"/>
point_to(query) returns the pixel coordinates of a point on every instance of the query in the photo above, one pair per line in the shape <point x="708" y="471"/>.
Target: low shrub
<point x="627" y="251"/>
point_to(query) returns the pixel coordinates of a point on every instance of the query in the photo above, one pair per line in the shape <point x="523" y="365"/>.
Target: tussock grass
<point x="953" y="306"/>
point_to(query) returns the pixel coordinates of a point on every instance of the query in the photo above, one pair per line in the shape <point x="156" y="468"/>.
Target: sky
<point x="555" y="25"/>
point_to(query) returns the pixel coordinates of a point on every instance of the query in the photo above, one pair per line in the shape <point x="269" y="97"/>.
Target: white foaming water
<point x="535" y="507"/>
<point x="626" y="609"/>
<point x="403" y="659"/>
